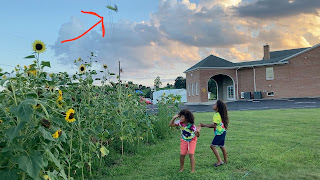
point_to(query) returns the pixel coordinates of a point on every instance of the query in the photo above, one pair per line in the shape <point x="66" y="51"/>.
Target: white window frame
<point x="228" y="93"/>
<point x="189" y="93"/>
<point x="192" y="89"/>
<point x="270" y="94"/>
<point x="271" y="77"/>
<point x="197" y="89"/>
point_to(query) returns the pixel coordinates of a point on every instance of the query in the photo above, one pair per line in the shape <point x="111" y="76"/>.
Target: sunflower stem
<point x="70" y="154"/>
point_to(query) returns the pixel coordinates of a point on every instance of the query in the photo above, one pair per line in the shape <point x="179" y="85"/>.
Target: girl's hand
<point x="201" y="125"/>
<point x="199" y="128"/>
<point x="176" y="116"/>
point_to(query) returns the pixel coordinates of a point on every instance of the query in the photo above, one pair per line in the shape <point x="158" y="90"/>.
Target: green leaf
<point x="45" y="64"/>
<point x="53" y="159"/>
<point x="46" y="134"/>
<point x="12" y="175"/>
<point x="23" y="110"/>
<point x="31" y="164"/>
<point x="31" y="56"/>
<point x="104" y="151"/>
<point x="13" y="132"/>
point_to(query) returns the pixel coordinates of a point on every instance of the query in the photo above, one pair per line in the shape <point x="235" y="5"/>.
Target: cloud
<point x="181" y="33"/>
<point x="264" y="9"/>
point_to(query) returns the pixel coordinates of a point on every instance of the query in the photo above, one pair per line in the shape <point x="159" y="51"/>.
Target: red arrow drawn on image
<point x="93" y="13"/>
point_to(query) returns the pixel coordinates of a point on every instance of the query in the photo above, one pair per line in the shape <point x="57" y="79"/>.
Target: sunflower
<point x="129" y="95"/>
<point x="59" y="103"/>
<point x="70" y="116"/>
<point x="1" y="121"/>
<point x="46" y="177"/>
<point x="82" y="69"/>
<point x="4" y="77"/>
<point x="79" y="59"/>
<point x="33" y="72"/>
<point x="39" y="46"/>
<point x="25" y="67"/>
<point x="37" y="106"/>
<point x="60" y="93"/>
<point x="45" y="123"/>
<point x="57" y="134"/>
<point x="105" y="66"/>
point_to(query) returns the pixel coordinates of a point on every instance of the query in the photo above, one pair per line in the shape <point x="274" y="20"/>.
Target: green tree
<point x="157" y="82"/>
<point x="180" y="83"/>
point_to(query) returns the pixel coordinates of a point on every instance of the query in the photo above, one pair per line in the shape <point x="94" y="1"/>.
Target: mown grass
<point x="268" y="144"/>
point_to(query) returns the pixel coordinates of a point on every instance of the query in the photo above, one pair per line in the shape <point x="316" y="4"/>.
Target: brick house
<point x="280" y="74"/>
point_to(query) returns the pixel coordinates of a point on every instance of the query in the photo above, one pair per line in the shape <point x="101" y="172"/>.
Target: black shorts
<point x="218" y="140"/>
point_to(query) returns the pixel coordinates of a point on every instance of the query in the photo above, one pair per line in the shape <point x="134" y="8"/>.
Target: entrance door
<point x="230" y="93"/>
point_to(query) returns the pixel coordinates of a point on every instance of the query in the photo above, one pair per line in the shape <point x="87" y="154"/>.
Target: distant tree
<point x="180" y="83"/>
<point x="157" y="82"/>
<point x="212" y="87"/>
<point x="169" y="86"/>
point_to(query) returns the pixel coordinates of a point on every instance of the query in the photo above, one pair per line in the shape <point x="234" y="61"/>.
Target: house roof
<point x="276" y="57"/>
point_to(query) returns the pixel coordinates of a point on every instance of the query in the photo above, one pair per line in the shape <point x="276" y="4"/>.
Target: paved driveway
<point x="245" y="105"/>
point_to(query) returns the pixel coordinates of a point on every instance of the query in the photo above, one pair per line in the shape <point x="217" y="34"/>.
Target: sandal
<point x="216" y="165"/>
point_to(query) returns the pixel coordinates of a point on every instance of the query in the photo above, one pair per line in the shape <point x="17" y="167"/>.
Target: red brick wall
<point x="299" y="78"/>
<point x="202" y="77"/>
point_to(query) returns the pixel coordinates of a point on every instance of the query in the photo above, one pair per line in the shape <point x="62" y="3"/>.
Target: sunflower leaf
<point x="31" y="164"/>
<point x="45" y="64"/>
<point x="31" y="56"/>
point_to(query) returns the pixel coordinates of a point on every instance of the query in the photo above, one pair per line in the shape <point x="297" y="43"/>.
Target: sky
<point x="154" y="37"/>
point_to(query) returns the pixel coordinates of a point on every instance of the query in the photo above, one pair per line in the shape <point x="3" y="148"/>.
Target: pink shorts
<point x="188" y="147"/>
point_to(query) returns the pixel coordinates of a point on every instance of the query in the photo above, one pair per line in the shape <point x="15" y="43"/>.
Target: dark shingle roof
<point x="216" y="62"/>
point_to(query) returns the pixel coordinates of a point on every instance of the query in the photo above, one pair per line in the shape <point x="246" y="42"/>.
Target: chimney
<point x="266" y="52"/>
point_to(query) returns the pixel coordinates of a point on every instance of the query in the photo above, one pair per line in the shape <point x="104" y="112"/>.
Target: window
<point x="270" y="93"/>
<point x="192" y="89"/>
<point x="269" y="73"/>
<point x="189" y="89"/>
<point x="230" y="93"/>
<point x="197" y="89"/>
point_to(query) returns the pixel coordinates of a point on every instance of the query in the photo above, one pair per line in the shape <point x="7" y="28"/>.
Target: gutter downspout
<point x="237" y="83"/>
<point x="254" y="79"/>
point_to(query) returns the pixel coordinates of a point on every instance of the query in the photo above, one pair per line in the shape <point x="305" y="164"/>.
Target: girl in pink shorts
<point x="189" y="134"/>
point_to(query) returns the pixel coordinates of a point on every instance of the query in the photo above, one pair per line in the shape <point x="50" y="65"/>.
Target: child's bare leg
<point x="224" y="151"/>
<point x="192" y="161"/>
<point x="182" y="162"/>
<point x="215" y="151"/>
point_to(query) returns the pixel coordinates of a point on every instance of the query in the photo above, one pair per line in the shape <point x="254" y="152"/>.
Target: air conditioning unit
<point x="242" y="95"/>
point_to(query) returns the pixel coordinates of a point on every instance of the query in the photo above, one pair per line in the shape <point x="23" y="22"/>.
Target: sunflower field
<point x="62" y="126"/>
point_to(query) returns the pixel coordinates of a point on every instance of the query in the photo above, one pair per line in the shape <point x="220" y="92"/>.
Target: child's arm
<point x="171" y="123"/>
<point x="197" y="132"/>
<point x="208" y="125"/>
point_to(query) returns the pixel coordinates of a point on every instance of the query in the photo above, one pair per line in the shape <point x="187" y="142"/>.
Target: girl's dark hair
<point x="222" y="109"/>
<point x="188" y="115"/>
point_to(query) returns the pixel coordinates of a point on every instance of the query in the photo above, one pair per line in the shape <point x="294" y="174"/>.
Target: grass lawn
<point x="268" y="144"/>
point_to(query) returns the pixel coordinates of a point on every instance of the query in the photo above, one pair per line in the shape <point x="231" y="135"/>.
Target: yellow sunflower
<point x="59" y="103"/>
<point x="79" y="59"/>
<point x="129" y="95"/>
<point x="37" y="106"/>
<point x="1" y="121"/>
<point x="60" y="95"/>
<point x="82" y="69"/>
<point x="57" y="134"/>
<point x="39" y="46"/>
<point x="46" y="177"/>
<point x="25" y="67"/>
<point x="105" y="66"/>
<point x="70" y="116"/>
<point x="4" y="77"/>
